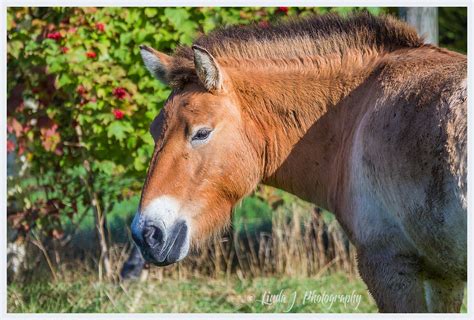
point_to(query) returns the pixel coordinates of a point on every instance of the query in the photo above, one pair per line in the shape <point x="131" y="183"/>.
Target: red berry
<point x="283" y="9"/>
<point x="91" y="54"/>
<point x="120" y="93"/>
<point x="80" y="89"/>
<point x="118" y="114"/>
<point x="64" y="49"/>
<point x="54" y="36"/>
<point x="100" y="26"/>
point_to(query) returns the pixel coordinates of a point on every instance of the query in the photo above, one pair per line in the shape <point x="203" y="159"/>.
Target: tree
<point x="424" y="19"/>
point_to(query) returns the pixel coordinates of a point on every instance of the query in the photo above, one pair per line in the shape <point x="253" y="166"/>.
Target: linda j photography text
<point x="290" y="299"/>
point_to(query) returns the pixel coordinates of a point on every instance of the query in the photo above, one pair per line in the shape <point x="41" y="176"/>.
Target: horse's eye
<point x="201" y="134"/>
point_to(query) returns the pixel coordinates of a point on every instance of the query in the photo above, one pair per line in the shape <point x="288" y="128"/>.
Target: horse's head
<point x="204" y="160"/>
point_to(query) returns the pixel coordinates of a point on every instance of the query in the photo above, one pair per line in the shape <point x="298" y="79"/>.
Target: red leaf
<point x="15" y="127"/>
<point x="10" y="146"/>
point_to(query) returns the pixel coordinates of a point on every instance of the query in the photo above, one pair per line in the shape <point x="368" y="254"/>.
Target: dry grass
<point x="301" y="243"/>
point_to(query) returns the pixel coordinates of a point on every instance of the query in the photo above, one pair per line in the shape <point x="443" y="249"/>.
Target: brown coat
<point x="354" y="114"/>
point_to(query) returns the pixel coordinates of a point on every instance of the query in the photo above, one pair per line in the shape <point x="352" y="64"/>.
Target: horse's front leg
<point x="394" y="278"/>
<point x="444" y="295"/>
<point x="133" y="267"/>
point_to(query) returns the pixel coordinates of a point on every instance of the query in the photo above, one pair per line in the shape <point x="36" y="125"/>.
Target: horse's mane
<point x="297" y="38"/>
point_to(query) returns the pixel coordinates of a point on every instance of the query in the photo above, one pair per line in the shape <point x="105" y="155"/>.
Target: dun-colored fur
<point x="354" y="114"/>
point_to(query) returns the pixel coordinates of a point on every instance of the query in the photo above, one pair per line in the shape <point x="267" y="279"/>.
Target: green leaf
<point x="14" y="48"/>
<point x="118" y="129"/>
<point x="106" y="166"/>
<point x="31" y="46"/>
<point x="177" y="16"/>
<point x="374" y="10"/>
<point x="126" y="37"/>
<point x="64" y="79"/>
<point x="151" y="12"/>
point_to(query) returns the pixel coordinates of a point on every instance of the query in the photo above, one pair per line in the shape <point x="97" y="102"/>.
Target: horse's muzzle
<point x="159" y="244"/>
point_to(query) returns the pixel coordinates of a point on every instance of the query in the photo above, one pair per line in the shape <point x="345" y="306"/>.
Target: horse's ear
<point x="207" y="69"/>
<point x="156" y="62"/>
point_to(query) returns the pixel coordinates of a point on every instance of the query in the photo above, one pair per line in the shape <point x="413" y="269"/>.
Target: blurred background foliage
<point x="453" y="28"/>
<point x="80" y="103"/>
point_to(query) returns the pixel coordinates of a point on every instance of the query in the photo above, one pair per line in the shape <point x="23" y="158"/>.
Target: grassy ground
<point x="199" y="295"/>
<point x="335" y="293"/>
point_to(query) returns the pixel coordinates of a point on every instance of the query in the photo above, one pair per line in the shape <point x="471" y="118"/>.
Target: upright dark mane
<point x="300" y="37"/>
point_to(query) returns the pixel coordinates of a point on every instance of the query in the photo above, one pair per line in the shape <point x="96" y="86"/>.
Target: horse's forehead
<point x="193" y="104"/>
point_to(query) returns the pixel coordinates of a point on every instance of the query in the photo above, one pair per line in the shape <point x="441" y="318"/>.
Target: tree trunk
<point x="424" y="19"/>
<point x="100" y="218"/>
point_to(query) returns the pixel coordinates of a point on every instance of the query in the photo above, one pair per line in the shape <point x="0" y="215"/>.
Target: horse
<point x="355" y="114"/>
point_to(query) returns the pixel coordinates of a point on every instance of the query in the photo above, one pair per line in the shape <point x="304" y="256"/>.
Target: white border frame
<point x="225" y="3"/>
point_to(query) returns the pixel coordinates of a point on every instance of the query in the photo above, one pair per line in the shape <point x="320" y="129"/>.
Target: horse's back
<point x="411" y="150"/>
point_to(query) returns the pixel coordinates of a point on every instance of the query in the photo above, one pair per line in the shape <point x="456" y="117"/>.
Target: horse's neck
<point x="301" y="116"/>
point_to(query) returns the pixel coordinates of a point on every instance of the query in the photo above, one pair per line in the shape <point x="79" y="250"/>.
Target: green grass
<point x="198" y="295"/>
<point x="86" y="295"/>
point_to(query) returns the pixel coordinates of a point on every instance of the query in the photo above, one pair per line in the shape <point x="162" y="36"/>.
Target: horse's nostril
<point x="162" y="246"/>
<point x="153" y="236"/>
